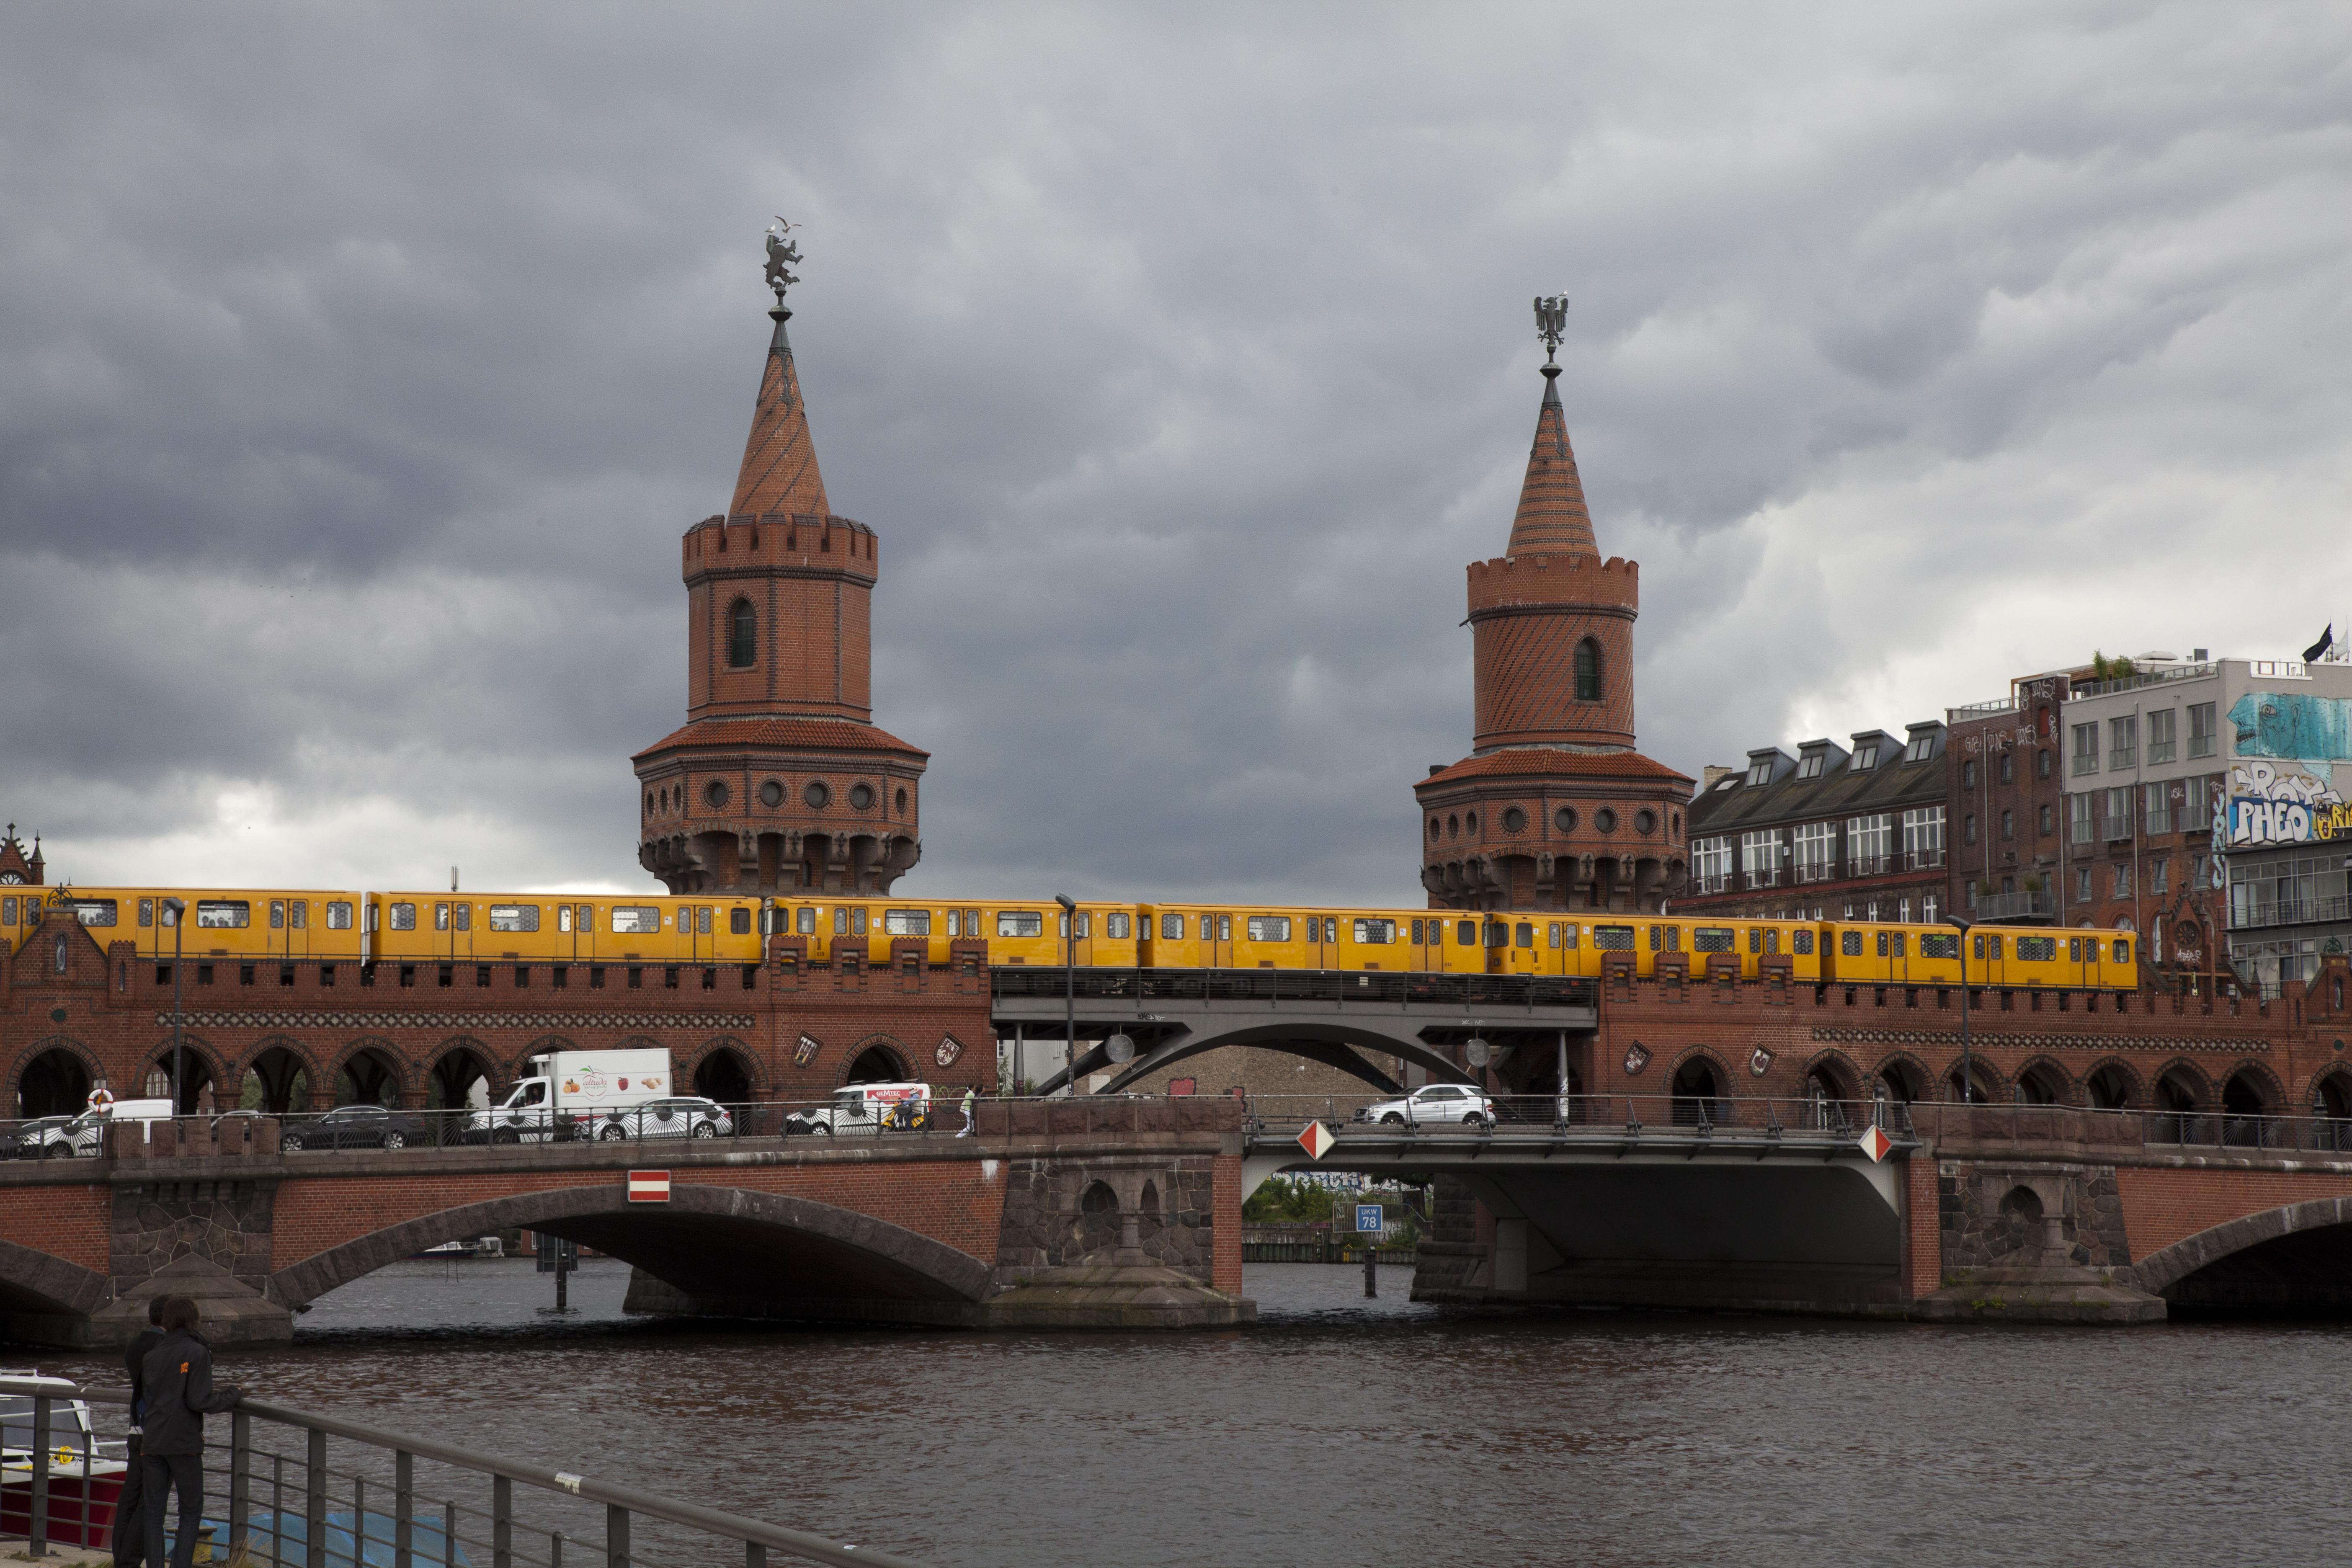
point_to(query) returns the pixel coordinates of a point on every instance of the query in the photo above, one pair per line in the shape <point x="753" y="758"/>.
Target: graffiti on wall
<point x="2292" y="726"/>
<point x="2271" y="803"/>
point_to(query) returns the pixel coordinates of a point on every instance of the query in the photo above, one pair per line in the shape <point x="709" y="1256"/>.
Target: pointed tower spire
<point x="779" y="472"/>
<point x="1551" y="519"/>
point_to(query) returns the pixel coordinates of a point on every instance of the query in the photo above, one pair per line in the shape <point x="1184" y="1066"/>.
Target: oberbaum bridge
<point x="1693" y="1138"/>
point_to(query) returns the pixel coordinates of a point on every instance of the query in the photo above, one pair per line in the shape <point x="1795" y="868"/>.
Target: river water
<point x="1342" y="1431"/>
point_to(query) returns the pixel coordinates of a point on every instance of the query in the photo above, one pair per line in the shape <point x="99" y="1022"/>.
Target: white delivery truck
<point x="564" y="1089"/>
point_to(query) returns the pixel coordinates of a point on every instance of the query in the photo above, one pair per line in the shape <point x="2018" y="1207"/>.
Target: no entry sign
<point x="649" y="1186"/>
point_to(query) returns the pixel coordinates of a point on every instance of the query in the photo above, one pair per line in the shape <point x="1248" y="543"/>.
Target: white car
<point x="1433" y="1103"/>
<point x="686" y="1116"/>
<point x="867" y="1108"/>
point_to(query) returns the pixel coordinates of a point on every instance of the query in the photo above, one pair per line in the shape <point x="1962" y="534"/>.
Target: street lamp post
<point x="1967" y="1088"/>
<point x="1069" y="992"/>
<point x="178" y="909"/>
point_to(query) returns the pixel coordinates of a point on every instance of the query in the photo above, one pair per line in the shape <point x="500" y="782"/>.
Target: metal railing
<point x="1392" y="986"/>
<point x="2153" y="678"/>
<point x="1506" y="1115"/>
<point x="271" y="1496"/>
<point x="2016" y="906"/>
<point x="2290" y="912"/>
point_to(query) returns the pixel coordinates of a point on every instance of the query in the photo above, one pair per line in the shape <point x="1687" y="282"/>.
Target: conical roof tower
<point x="778" y="781"/>
<point x="1554" y="808"/>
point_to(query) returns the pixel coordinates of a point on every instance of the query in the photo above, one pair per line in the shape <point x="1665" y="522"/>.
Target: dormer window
<point x="1761" y="772"/>
<point x="1810" y="765"/>
<point x="1731" y="783"/>
<point x="1865" y="756"/>
<point x="1920" y="749"/>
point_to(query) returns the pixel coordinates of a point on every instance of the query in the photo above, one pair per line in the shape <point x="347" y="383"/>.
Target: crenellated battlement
<point x="1569" y="581"/>
<point x="777" y="539"/>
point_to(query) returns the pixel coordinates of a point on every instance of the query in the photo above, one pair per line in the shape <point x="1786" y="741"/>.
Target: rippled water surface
<point x="1343" y="1431"/>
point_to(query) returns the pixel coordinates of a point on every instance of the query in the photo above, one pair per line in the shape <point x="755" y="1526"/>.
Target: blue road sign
<point x="1368" y="1217"/>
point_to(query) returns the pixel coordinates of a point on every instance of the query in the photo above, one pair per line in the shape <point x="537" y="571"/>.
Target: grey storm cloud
<point x="359" y="368"/>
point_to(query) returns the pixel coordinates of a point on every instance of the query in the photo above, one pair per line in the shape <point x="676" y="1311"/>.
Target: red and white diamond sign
<point x="1876" y="1145"/>
<point x="649" y="1186"/>
<point x="1317" y="1139"/>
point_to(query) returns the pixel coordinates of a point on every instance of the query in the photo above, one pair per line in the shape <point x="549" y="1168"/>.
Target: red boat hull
<point x="81" y="1510"/>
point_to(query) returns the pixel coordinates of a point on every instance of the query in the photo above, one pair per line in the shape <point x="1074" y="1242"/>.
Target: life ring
<point x="100" y="1099"/>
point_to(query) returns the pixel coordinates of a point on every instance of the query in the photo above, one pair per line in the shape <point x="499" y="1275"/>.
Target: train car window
<point x="298" y="913"/>
<point x="1465" y="933"/>
<point x="1119" y="925"/>
<point x="1419" y="933"/>
<point x="840" y="922"/>
<point x="636" y="920"/>
<point x="955" y="922"/>
<point x="1712" y="938"/>
<point x="563" y="916"/>
<point x="1849" y="943"/>
<point x="223" y="914"/>
<point x="1939" y="944"/>
<point x="1171" y="928"/>
<point x="1882" y="944"/>
<point x="1898" y="944"/>
<point x="1754" y="940"/>
<point x="7" y="911"/>
<point x="1269" y="928"/>
<point x="2123" y="949"/>
<point x="1772" y="940"/>
<point x="147" y="911"/>
<point x="1377" y="933"/>
<point x="1225" y="928"/>
<point x="1208" y="928"/>
<point x="1996" y="945"/>
<point x="906" y="922"/>
<point x="1567" y="934"/>
<point x="1498" y="934"/>
<point x="1801" y="942"/>
<point x="857" y="921"/>
<point x="739" y="921"/>
<point x="1614" y="939"/>
<point x="702" y="921"/>
<point x="2037" y="949"/>
<point x="404" y="917"/>
<point x="514" y="917"/>
<point x="97" y="911"/>
<point x="277" y="914"/>
<point x="1022" y="923"/>
<point x="1551" y="934"/>
<point x="804" y="920"/>
<point x="1525" y="936"/>
<point x="1654" y="939"/>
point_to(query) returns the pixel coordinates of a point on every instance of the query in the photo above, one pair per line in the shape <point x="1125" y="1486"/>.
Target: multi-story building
<point x="2196" y="778"/>
<point x="2007" y="803"/>
<point x="1841" y="832"/>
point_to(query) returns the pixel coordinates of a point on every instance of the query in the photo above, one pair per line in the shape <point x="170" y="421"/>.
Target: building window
<point x="1865" y="756"/>
<point x="1923" y="837"/>
<point x="2043" y="822"/>
<point x="2159" y="876"/>
<point x="1969" y="829"/>
<point x="1588" y="671"/>
<point x="2160" y="744"/>
<point x="2078" y="820"/>
<point x="1968" y="897"/>
<point x="1930" y="907"/>
<point x="1922" y="747"/>
<point x="2122" y="880"/>
<point x="2123" y="734"/>
<point x="2086" y="747"/>
<point x="2119" y="814"/>
<point x="2156" y="805"/>
<point x="742" y="635"/>
<point x="1711" y="860"/>
<point x="2201" y="728"/>
<point x="1902" y="914"/>
<point x="1869" y="841"/>
<point x="2041" y="763"/>
<point x="2009" y="825"/>
<point x="2008" y="768"/>
<point x="1967" y="775"/>
<point x="1809" y="766"/>
<point x="1760" y="853"/>
<point x="1816" y="849"/>
<point x="2082" y="884"/>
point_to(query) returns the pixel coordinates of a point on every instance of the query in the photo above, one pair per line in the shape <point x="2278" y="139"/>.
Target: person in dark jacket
<point x="129" y="1525"/>
<point x="178" y="1379"/>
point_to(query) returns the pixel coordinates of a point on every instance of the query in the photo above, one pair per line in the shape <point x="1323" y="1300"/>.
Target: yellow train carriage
<point x="1536" y="943"/>
<point x="247" y="923"/>
<point x="20" y="911"/>
<point x="549" y="928"/>
<point x="1896" y="955"/>
<point x="1028" y="932"/>
<point x="1225" y="936"/>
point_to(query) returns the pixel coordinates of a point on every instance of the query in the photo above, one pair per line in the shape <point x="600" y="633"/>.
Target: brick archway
<point x="2168" y="1266"/>
<point x="72" y="1049"/>
<point x="36" y="1284"/>
<point x="708" y="1240"/>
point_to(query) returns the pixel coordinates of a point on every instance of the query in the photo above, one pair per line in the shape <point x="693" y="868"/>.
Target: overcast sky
<point x="359" y="368"/>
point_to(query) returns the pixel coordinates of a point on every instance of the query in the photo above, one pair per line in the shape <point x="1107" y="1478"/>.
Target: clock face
<point x="11" y="878"/>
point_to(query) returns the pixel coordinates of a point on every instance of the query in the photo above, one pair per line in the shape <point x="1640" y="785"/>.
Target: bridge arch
<point x="2181" y="1085"/>
<point x="2331" y="1093"/>
<point x="877" y="1059"/>
<point x="1834" y="1073"/>
<point x="37" y="1285"/>
<point x="1903" y="1076"/>
<point x="204" y="1068"/>
<point x="277" y="1061"/>
<point x="709" y="1241"/>
<point x="2112" y="1085"/>
<point x="2044" y="1080"/>
<point x="44" y="1074"/>
<point x="2297" y="1255"/>
<point x="722" y="1070"/>
<point x="461" y="1061"/>
<point x="373" y="1064"/>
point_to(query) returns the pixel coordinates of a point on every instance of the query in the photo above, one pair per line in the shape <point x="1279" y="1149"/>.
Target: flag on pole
<point x="2318" y="649"/>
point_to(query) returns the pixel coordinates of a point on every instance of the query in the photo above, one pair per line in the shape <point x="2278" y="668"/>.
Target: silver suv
<point x="683" y="1116"/>
<point x="1433" y="1103"/>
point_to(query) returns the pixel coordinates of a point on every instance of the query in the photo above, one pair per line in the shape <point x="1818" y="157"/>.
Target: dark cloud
<point x="358" y="370"/>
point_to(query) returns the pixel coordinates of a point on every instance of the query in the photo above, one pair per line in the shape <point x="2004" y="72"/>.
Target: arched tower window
<point x="1588" y="671"/>
<point x="742" y="635"/>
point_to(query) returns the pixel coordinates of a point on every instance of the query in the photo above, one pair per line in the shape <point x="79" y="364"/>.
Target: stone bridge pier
<point x="1073" y="1213"/>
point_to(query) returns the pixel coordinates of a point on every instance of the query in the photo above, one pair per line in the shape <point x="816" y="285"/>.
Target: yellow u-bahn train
<point x="296" y="925"/>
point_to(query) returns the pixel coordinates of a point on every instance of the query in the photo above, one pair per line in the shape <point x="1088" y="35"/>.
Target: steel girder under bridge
<point x="1173" y="1014"/>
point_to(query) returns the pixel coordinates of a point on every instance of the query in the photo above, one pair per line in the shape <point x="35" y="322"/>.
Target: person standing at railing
<point x="970" y="1094"/>
<point x="178" y="1379"/>
<point x="130" y="1521"/>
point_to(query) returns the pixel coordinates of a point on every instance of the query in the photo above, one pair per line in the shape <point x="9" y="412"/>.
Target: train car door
<point x="453" y="928"/>
<point x="1216" y="940"/>
<point x="1986" y="965"/>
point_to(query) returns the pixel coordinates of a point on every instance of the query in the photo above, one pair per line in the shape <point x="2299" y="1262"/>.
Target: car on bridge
<point x="353" y="1127"/>
<point x="30" y="1140"/>
<point x="682" y="1116"/>
<point x="1433" y="1103"/>
<point x="866" y="1108"/>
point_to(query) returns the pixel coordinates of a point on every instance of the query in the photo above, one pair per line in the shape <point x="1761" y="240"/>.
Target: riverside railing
<point x="274" y="1495"/>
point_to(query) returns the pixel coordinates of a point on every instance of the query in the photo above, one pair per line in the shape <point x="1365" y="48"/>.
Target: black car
<point x="353" y="1127"/>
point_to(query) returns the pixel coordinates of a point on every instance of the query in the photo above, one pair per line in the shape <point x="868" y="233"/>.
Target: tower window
<point x="1588" y="671"/>
<point x="771" y="795"/>
<point x="742" y="635"/>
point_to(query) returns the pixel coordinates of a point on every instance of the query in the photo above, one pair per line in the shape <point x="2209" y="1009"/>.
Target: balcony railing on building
<point x="2290" y="911"/>
<point x="2032" y="906"/>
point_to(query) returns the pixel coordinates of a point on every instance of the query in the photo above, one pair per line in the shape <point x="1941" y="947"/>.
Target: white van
<point x="867" y="1108"/>
<point x="85" y="1133"/>
<point x="565" y="1090"/>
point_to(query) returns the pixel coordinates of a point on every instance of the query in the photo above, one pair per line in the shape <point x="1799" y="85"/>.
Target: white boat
<point x="85" y="1474"/>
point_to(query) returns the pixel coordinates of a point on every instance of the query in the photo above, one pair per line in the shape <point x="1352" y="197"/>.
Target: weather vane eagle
<point x="782" y="250"/>
<point x="1551" y="322"/>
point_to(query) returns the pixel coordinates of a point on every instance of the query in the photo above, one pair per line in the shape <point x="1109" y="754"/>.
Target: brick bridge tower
<point x="1553" y="809"/>
<point x="778" y="781"/>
